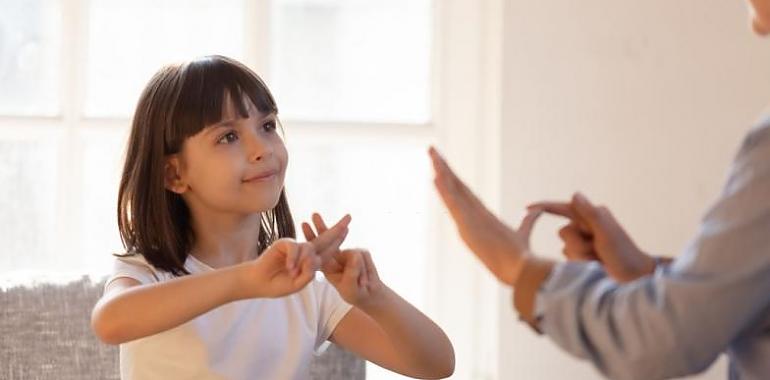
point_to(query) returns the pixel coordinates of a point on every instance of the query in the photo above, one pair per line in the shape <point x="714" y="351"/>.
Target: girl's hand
<point x="288" y="266"/>
<point x="594" y="234"/>
<point x="328" y="241"/>
<point x="499" y="247"/>
<point x="351" y="271"/>
<point x="356" y="278"/>
<point x="282" y="269"/>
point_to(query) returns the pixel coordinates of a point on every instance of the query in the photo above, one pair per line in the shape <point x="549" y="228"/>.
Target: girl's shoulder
<point x="137" y="267"/>
<point x="324" y="295"/>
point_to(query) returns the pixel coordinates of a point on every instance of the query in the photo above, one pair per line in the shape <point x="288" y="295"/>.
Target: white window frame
<point x="465" y="124"/>
<point x="467" y="118"/>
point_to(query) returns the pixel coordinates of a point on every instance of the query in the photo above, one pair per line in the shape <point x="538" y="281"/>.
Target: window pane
<point x="102" y="160"/>
<point x="29" y="57"/>
<point x="352" y="60"/>
<point x="28" y="202"/>
<point x="390" y="205"/>
<point x="130" y="40"/>
<point x="386" y="187"/>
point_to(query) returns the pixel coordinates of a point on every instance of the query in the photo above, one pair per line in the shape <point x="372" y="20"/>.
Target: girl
<point x="213" y="284"/>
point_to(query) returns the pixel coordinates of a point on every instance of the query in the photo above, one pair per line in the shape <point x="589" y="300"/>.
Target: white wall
<point x="641" y="104"/>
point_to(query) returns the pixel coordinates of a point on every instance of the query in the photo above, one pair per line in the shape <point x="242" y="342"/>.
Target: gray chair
<point x="45" y="334"/>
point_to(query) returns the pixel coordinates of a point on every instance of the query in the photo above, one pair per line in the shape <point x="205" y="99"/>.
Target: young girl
<point x="213" y="284"/>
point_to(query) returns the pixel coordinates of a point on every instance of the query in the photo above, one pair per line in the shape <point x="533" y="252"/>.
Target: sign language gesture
<point x="499" y="247"/>
<point x="594" y="234"/>
<point x="282" y="269"/>
<point x="287" y="266"/>
<point x="350" y="271"/>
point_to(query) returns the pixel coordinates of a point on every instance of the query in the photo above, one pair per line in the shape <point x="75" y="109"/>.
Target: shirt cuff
<point x="533" y="274"/>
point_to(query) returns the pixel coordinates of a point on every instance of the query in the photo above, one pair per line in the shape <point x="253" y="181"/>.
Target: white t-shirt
<point x="248" y="339"/>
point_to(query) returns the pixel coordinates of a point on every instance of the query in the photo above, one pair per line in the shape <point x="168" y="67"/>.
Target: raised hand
<point x="499" y="247"/>
<point x="594" y="234"/>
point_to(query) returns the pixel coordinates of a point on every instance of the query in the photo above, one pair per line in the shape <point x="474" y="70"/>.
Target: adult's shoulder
<point x="758" y="136"/>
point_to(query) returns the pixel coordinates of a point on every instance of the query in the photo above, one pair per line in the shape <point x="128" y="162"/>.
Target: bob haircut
<point x="179" y="101"/>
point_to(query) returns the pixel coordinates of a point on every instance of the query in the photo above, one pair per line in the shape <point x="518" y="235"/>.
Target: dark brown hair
<point x="178" y="102"/>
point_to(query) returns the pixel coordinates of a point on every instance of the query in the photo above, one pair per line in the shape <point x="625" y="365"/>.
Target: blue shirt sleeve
<point x="676" y="321"/>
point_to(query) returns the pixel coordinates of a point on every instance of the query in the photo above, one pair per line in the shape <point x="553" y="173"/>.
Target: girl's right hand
<point x="282" y="269"/>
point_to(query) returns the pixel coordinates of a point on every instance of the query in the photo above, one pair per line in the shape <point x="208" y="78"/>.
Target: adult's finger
<point x="587" y="211"/>
<point x="443" y="182"/>
<point x="556" y="208"/>
<point x="453" y="185"/>
<point x="528" y="223"/>
<point x="463" y="205"/>
<point x="576" y="245"/>
<point x="565" y="209"/>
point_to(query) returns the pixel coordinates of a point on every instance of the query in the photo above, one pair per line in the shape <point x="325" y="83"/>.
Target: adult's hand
<point x="499" y="247"/>
<point x="593" y="233"/>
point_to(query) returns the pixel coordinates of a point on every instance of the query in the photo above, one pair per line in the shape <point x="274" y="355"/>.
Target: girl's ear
<point x="172" y="175"/>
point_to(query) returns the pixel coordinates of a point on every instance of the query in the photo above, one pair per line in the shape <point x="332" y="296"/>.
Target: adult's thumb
<point x="586" y="210"/>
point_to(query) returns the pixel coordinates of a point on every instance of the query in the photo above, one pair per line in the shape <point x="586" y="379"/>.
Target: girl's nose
<point x="258" y="148"/>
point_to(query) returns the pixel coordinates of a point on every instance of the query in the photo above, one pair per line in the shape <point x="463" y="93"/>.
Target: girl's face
<point x="234" y="166"/>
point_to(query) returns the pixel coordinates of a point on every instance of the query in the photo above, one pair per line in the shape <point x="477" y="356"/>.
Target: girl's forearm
<point x="417" y="339"/>
<point x="146" y="310"/>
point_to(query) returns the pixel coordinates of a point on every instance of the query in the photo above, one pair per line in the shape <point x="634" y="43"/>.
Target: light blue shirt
<point x="714" y="298"/>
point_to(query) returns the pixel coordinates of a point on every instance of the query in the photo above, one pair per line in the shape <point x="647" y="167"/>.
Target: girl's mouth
<point x="263" y="177"/>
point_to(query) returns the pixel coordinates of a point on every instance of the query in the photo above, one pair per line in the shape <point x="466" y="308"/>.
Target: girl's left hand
<point x="350" y="271"/>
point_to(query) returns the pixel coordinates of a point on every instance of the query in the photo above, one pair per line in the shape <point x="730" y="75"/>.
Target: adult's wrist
<point x="533" y="273"/>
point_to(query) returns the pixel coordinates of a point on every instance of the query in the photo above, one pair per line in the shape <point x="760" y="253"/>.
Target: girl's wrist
<point x="513" y="268"/>
<point x="378" y="299"/>
<point x="241" y="284"/>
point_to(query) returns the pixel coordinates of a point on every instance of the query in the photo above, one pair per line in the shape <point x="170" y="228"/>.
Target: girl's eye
<point x="269" y="126"/>
<point x="227" y="138"/>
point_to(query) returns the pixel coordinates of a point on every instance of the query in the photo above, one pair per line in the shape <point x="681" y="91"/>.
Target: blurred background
<point x="640" y="104"/>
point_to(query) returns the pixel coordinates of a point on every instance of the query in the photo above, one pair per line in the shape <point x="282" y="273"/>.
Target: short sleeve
<point x="134" y="267"/>
<point x="331" y="309"/>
